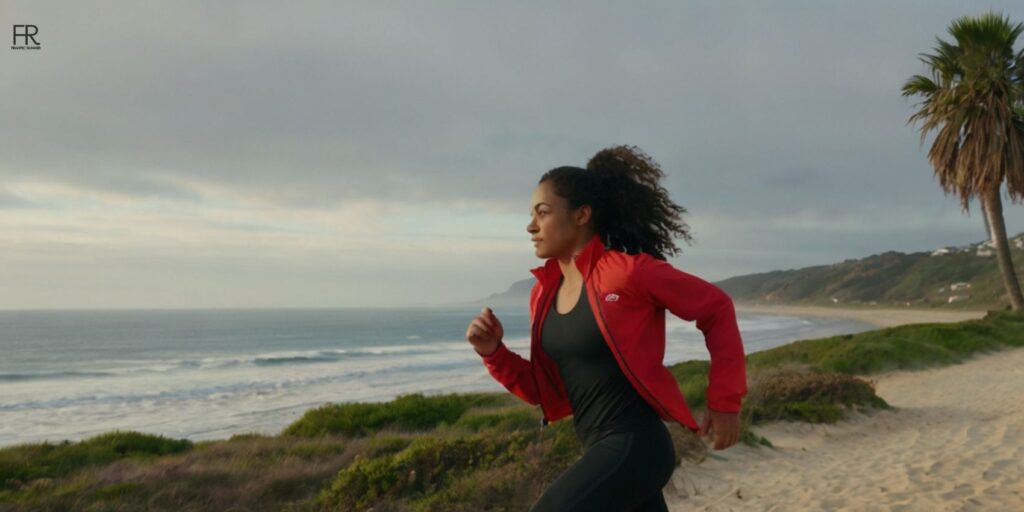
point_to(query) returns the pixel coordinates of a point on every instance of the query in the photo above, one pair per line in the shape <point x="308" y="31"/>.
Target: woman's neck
<point x="570" y="272"/>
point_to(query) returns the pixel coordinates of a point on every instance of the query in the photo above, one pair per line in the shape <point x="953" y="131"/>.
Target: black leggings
<point x="618" y="472"/>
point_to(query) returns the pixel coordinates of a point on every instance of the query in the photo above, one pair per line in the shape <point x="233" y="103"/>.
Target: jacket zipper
<point x="536" y="360"/>
<point x="615" y="347"/>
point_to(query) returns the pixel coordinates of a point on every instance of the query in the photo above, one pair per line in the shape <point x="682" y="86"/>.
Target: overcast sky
<point x="307" y="154"/>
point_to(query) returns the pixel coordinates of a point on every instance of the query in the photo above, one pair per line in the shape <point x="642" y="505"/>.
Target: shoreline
<point x="879" y="317"/>
<point x="226" y="414"/>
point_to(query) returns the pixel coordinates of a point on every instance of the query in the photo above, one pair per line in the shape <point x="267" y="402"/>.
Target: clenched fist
<point x="722" y="427"/>
<point x="485" y="332"/>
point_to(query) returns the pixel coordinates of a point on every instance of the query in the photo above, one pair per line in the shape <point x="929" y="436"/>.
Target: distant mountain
<point x="952" y="276"/>
<point x="516" y="296"/>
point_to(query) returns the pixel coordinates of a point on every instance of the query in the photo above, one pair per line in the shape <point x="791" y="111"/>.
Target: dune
<point x="881" y="317"/>
<point x="955" y="441"/>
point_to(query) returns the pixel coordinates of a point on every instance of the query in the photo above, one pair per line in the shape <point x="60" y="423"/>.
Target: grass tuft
<point x="413" y="412"/>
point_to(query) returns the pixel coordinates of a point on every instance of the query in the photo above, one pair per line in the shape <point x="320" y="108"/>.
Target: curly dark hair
<point x="631" y="210"/>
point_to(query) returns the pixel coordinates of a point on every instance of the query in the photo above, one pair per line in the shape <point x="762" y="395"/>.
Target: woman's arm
<point x="694" y="299"/>
<point x="511" y="370"/>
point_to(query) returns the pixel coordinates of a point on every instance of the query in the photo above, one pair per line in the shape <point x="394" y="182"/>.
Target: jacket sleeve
<point x="694" y="299"/>
<point x="511" y="370"/>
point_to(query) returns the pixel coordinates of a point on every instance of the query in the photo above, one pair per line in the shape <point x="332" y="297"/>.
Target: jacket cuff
<point x="495" y="356"/>
<point x="724" y="407"/>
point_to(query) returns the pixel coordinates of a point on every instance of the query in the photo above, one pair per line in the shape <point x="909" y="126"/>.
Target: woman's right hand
<point x="485" y="332"/>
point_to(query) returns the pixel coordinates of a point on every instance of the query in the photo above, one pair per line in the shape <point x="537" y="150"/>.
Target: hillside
<point x="516" y="296"/>
<point x="955" y="277"/>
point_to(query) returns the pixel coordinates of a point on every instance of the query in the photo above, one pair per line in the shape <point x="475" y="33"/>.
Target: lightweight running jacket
<point x="629" y="294"/>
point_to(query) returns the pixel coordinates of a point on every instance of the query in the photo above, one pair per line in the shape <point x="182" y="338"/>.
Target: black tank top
<point x="602" y="399"/>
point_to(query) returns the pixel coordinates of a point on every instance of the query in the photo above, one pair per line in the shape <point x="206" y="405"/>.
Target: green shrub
<point x="692" y="377"/>
<point x="912" y="346"/>
<point x="793" y="394"/>
<point x="508" y="420"/>
<point x="497" y="489"/>
<point x="409" y="412"/>
<point x="117" y="491"/>
<point x="240" y="437"/>
<point x="427" y="465"/>
<point x="379" y="446"/>
<point x="26" y="462"/>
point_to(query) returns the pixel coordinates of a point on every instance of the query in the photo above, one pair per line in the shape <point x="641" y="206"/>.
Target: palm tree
<point x="975" y="99"/>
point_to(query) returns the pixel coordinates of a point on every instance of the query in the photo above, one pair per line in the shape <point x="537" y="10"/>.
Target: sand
<point x="954" y="442"/>
<point x="881" y="317"/>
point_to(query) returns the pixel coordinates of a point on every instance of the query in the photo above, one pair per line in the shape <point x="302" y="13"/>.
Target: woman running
<point x="597" y="315"/>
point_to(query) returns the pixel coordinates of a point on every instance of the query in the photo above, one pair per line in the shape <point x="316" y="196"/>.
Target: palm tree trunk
<point x="994" y="208"/>
<point x="988" y="226"/>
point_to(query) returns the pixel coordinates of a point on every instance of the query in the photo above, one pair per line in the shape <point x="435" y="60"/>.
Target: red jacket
<point x="629" y="294"/>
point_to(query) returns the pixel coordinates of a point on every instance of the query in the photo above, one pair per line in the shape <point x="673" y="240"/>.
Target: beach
<point x="954" y="441"/>
<point x="880" y="317"/>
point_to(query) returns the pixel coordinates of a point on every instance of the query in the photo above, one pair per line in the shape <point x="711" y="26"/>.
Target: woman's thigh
<point x="618" y="473"/>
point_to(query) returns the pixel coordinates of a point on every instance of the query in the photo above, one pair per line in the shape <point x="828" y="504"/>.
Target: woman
<point x="598" y="333"/>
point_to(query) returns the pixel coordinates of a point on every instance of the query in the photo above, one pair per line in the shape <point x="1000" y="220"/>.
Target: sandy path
<point x="956" y="442"/>
<point x="881" y="317"/>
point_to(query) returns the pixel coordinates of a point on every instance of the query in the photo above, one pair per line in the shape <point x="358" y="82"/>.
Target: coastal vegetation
<point x="469" y="451"/>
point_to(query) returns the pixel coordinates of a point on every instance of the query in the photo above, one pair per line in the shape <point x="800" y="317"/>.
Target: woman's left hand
<point x="725" y="426"/>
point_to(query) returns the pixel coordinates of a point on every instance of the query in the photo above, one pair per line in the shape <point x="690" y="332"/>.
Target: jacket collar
<point x="585" y="260"/>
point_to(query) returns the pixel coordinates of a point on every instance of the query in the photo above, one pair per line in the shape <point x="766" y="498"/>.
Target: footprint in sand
<point x="833" y="504"/>
<point x="940" y="466"/>
<point x="915" y="472"/>
<point x="997" y="469"/>
<point x="694" y="481"/>
<point x="960" y="491"/>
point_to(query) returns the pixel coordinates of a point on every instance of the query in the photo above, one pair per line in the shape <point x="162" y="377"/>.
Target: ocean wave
<point x="16" y="377"/>
<point x="279" y="358"/>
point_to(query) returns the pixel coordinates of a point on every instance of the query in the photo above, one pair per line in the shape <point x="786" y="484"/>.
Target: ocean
<point x="209" y="374"/>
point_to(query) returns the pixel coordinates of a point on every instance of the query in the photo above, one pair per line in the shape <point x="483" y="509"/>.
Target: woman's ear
<point x="583" y="215"/>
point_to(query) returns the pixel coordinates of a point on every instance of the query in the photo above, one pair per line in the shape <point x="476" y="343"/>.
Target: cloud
<point x="316" y="106"/>
<point x="9" y="201"/>
<point x="333" y="127"/>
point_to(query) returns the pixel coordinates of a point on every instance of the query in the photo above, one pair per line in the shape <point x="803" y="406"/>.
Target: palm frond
<point x="973" y="96"/>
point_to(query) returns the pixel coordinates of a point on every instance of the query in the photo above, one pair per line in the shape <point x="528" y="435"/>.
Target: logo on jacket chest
<point x="611" y="297"/>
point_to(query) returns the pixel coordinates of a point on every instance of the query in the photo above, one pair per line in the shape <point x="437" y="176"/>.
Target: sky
<point x="231" y="154"/>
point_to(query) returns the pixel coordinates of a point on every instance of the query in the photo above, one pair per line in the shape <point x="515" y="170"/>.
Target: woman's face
<point x="555" y="229"/>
